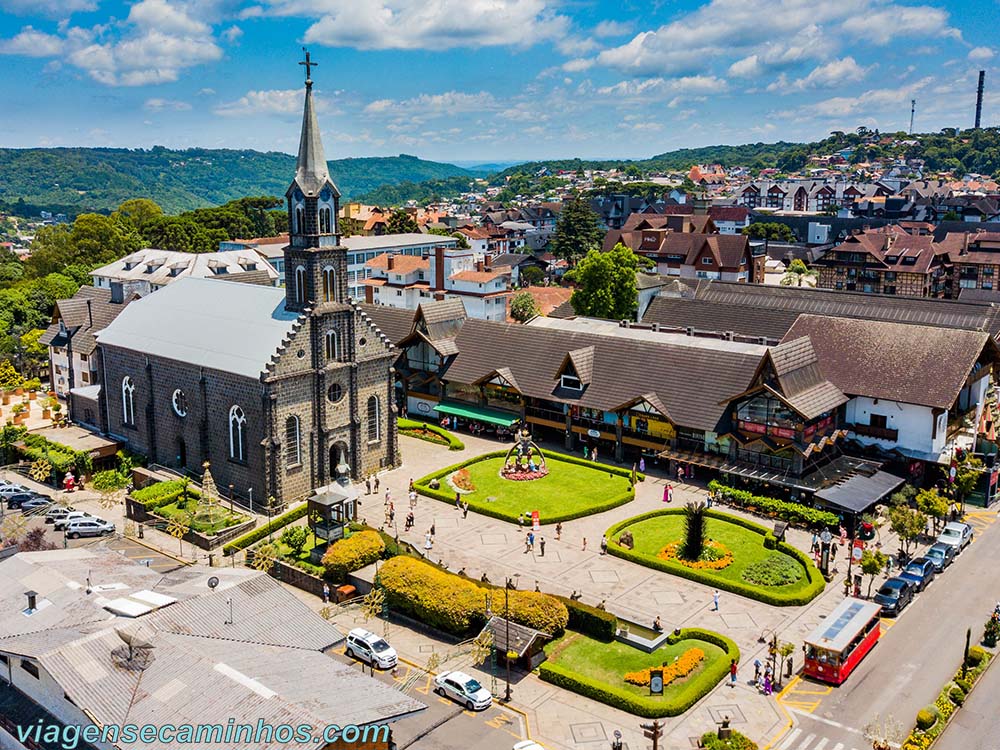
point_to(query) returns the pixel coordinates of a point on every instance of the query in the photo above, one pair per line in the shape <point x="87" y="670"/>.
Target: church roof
<point x="234" y="328"/>
<point x="311" y="171"/>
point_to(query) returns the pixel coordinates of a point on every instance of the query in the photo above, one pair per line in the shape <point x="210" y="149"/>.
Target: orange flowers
<point x="716" y="556"/>
<point x="682" y="666"/>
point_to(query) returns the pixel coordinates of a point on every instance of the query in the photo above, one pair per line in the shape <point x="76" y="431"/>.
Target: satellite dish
<point x="213" y="582"/>
<point x="132" y="639"/>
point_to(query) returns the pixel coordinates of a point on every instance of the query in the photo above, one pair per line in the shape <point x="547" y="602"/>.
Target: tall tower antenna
<point x="979" y="98"/>
<point x="913" y="109"/>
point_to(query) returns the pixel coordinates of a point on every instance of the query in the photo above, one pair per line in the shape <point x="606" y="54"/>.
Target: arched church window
<point x="325" y="220"/>
<point x="237" y="434"/>
<point x="300" y="284"/>
<point x="293" y="444"/>
<point x="300" y="220"/>
<point x="332" y="345"/>
<point x="374" y="419"/>
<point x="329" y="284"/>
<point x="128" y="401"/>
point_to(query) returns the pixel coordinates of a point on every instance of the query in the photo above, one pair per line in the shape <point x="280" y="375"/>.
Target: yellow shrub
<point x="347" y="555"/>
<point x="684" y="665"/>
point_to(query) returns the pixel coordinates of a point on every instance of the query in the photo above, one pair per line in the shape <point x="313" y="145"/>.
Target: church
<point x="282" y="390"/>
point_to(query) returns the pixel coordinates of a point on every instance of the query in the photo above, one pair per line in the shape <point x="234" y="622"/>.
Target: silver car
<point x="58" y="514"/>
<point x="88" y="527"/>
<point x="59" y="524"/>
<point x="957" y="535"/>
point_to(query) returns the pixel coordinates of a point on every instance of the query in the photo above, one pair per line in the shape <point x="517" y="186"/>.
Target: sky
<point x="488" y="80"/>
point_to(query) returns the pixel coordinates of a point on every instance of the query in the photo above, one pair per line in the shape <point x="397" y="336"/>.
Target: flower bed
<point x="525" y="476"/>
<point x="715" y="556"/>
<point x="682" y="666"/>
<point x="747" y="540"/>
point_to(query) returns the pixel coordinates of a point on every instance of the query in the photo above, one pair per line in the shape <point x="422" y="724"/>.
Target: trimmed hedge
<point x="353" y="553"/>
<point x="445" y="494"/>
<point x="260" y="532"/>
<point x="783" y="509"/>
<point x="926" y="717"/>
<point x="61" y="457"/>
<point x="163" y="493"/>
<point x="648" y="706"/>
<point x="597" y="623"/>
<point x="456" y="605"/>
<point x="454" y="444"/>
<point x="736" y="741"/>
<point x="779" y="599"/>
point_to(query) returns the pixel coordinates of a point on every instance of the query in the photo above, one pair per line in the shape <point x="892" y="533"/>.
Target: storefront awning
<point x="477" y="413"/>
<point x="859" y="492"/>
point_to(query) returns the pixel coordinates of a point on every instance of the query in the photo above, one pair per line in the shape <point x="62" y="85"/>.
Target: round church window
<point x="179" y="401"/>
<point x="300" y="353"/>
<point x="362" y="341"/>
<point x="335" y="393"/>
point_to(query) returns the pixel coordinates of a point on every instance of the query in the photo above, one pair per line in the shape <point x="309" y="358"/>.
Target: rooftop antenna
<point x="913" y="109"/>
<point x="230" y="620"/>
<point x="979" y="98"/>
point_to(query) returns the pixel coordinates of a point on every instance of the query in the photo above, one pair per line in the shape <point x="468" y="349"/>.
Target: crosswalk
<point x="799" y="739"/>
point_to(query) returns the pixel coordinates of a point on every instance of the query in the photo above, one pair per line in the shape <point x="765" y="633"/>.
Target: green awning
<point x="478" y="413"/>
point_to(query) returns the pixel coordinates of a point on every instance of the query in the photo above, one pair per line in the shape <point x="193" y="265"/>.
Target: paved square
<point x="738" y="620"/>
<point x="592" y="731"/>
<point x="718" y="713"/>
<point x="604" y="576"/>
<point x="668" y="597"/>
<point x="492" y="539"/>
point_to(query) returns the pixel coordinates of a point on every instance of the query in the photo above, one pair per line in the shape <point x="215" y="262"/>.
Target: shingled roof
<point x="86" y="313"/>
<point x="911" y="364"/>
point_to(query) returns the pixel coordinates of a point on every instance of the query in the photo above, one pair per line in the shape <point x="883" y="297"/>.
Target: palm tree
<point x="694" y="530"/>
<point x="796" y="272"/>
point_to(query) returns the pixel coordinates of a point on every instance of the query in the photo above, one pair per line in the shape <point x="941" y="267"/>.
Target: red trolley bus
<point x="839" y="644"/>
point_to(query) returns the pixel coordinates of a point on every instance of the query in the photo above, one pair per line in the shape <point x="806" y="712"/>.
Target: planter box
<point x="32" y="395"/>
<point x="295" y="577"/>
<point x="138" y="513"/>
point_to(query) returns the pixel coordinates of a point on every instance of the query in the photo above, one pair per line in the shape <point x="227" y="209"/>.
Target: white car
<point x="88" y="527"/>
<point x="957" y="535"/>
<point x="59" y="524"/>
<point x="368" y="647"/>
<point x="57" y="514"/>
<point x="463" y="689"/>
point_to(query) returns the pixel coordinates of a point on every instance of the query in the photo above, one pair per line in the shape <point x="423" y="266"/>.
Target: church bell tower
<point x="315" y="263"/>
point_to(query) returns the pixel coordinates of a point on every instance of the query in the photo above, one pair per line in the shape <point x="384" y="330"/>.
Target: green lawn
<point x="652" y="534"/>
<point x="597" y="670"/>
<point x="570" y="490"/>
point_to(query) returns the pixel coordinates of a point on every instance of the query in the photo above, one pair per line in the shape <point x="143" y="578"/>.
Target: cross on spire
<point x="309" y="65"/>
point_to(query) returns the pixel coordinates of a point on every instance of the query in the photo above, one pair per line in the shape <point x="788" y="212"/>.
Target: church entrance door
<point x="181" y="453"/>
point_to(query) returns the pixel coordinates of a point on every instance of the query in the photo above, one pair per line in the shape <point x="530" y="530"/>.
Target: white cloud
<point x="980" y="54"/>
<point x="434" y="105"/>
<point x="270" y="102"/>
<point x="156" y="104"/>
<point x="613" y="28"/>
<point x="50" y="8"/>
<point x="166" y="18"/>
<point x="652" y="88"/>
<point x="416" y="24"/>
<point x="871" y="102"/>
<point x="747" y="67"/>
<point x="888" y="24"/>
<point x="32" y="43"/>
<point x="577" y="65"/>
<point x="833" y="73"/>
<point x="232" y="33"/>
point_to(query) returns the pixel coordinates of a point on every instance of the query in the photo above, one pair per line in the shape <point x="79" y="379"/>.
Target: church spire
<point x="311" y="172"/>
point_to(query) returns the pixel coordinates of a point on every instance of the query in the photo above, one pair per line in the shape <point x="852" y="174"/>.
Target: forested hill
<point x="77" y="180"/>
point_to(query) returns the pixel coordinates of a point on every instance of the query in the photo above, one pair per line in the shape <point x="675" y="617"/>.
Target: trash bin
<point x="345" y="592"/>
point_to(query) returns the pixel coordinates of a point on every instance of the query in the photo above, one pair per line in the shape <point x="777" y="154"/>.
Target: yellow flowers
<point x="716" y="556"/>
<point x="682" y="666"/>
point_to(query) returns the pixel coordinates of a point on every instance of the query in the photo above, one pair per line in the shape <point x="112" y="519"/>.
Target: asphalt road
<point x="915" y="657"/>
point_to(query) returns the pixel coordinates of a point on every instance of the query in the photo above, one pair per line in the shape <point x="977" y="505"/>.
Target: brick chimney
<point x="391" y="262"/>
<point x="965" y="244"/>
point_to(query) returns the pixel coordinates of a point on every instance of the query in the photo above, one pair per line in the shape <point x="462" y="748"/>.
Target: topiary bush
<point x="353" y="553"/>
<point x="976" y="655"/>
<point x="964" y="685"/>
<point x="926" y="717"/>
<point x="736" y="741"/>
<point x="456" y="605"/>
<point x="774" y="570"/>
<point x="957" y="695"/>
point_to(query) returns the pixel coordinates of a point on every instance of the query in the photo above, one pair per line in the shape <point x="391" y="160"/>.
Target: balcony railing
<point x="879" y="433"/>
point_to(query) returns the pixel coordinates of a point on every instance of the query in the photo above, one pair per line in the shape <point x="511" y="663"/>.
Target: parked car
<point x="368" y="647"/>
<point x="943" y="555"/>
<point x="88" y="527"/>
<point x="12" y="489"/>
<point x="956" y="534"/>
<point x="894" y="595"/>
<point x="57" y="513"/>
<point x="28" y="501"/>
<point x="921" y="571"/>
<point x="463" y="689"/>
<point x="60" y="523"/>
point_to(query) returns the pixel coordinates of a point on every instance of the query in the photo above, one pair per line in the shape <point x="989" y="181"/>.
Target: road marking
<point x="839" y="746"/>
<point x="806" y="742"/>
<point x="831" y="722"/>
<point x="787" y="742"/>
<point x="822" y="743"/>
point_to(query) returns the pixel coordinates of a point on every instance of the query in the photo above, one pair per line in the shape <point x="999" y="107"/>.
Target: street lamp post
<point x="506" y="617"/>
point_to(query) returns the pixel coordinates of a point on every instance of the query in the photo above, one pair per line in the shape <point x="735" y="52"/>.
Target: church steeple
<point x="315" y="264"/>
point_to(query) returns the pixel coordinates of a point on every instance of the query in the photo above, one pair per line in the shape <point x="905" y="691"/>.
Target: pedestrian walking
<point x="531" y="539"/>
<point x="433" y="528"/>
<point x="593" y="454"/>
<point x="843" y="535"/>
<point x="409" y="521"/>
<point x="768" y="688"/>
<point x="668" y="493"/>
<point x="733" y="671"/>
<point x="756" y="670"/>
<point x="604" y="546"/>
<point x="392" y="514"/>
<point x="413" y="499"/>
<point x="680" y="473"/>
<point x="642" y="464"/>
<point x="411" y="487"/>
<point x="715" y="600"/>
<point x="527" y="543"/>
<point x="388" y="495"/>
<point x="520" y="520"/>
<point x="458" y="500"/>
<point x="465" y="509"/>
<point x="375" y="484"/>
<point x="815" y="542"/>
<point x="833" y="552"/>
<point x="428" y="540"/>
<point x="559" y="531"/>
<point x="368" y="485"/>
<point x="541" y="546"/>
<point x="585" y="544"/>
<point x="326" y="592"/>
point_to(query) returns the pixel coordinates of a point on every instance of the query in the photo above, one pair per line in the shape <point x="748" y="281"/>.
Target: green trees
<point x="967" y="476"/>
<point x="932" y="504"/>
<point x="402" y="223"/>
<point x="907" y="523"/>
<point x="694" y="531"/>
<point x="770" y="230"/>
<point x="531" y="275"/>
<point x="463" y="242"/>
<point x="523" y="307"/>
<point x="607" y="287"/>
<point x="577" y="231"/>
<point x="872" y="563"/>
<point x="295" y="538"/>
<point x="797" y="272"/>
